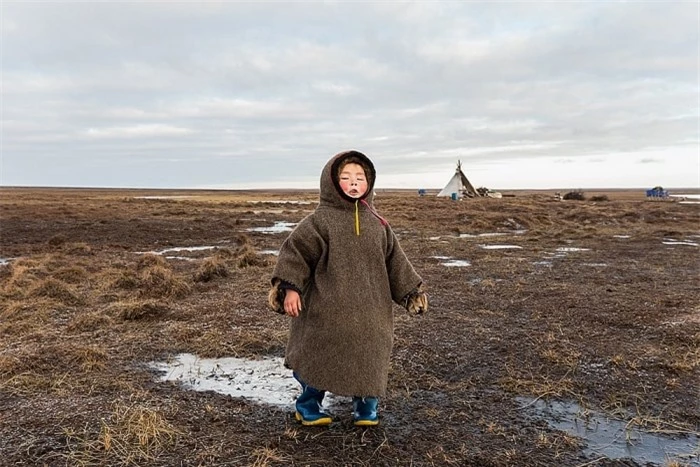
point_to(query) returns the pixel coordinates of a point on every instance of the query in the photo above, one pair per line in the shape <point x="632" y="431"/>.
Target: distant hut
<point x="459" y="186"/>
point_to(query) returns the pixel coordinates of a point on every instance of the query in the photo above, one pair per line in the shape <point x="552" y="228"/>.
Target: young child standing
<point x="336" y="276"/>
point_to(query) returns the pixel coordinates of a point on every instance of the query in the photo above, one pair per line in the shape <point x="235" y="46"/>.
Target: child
<point x="336" y="275"/>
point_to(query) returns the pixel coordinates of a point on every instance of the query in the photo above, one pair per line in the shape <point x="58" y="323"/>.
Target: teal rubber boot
<point x="308" y="406"/>
<point x="364" y="411"/>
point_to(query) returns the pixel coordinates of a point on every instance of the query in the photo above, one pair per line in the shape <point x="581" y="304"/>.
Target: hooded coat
<point x="349" y="267"/>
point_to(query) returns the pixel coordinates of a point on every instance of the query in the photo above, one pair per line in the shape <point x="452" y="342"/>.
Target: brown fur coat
<point x="342" y="339"/>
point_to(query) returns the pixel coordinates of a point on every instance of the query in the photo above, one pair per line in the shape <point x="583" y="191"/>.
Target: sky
<point x="236" y="95"/>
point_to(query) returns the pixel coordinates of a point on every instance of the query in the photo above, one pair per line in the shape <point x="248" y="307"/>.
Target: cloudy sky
<point x="261" y="94"/>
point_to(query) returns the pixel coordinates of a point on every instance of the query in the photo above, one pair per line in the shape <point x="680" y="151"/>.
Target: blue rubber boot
<point x="364" y="411"/>
<point x="308" y="406"/>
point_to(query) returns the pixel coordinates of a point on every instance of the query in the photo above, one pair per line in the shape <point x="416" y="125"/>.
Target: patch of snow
<point x="441" y="257"/>
<point x="689" y="196"/>
<point x="183" y="258"/>
<point x="622" y="236"/>
<point x="433" y="238"/>
<point x="567" y="249"/>
<point x="500" y="247"/>
<point x="596" y="265"/>
<point x="543" y="263"/>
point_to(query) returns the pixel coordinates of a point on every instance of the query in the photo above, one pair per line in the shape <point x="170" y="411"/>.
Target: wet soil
<point x="599" y="305"/>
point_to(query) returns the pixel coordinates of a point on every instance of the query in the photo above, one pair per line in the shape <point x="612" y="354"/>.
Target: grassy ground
<point x="614" y="327"/>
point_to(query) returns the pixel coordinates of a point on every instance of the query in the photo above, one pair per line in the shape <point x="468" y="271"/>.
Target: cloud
<point x="415" y="85"/>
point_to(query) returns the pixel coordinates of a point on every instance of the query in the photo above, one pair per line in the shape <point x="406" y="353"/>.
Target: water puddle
<point x="492" y="234"/>
<point x="279" y="227"/>
<point x="501" y="247"/>
<point x="264" y="381"/>
<point x="670" y="241"/>
<point x="167" y="197"/>
<point x="275" y="201"/>
<point x="456" y="263"/>
<point x="613" y="438"/>
<point x="269" y="252"/>
<point x="177" y="249"/>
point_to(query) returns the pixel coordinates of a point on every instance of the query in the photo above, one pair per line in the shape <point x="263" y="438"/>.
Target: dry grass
<point x="72" y="275"/>
<point x="159" y="281"/>
<point x="500" y="328"/>
<point x="90" y="321"/>
<point x="57" y="290"/>
<point x="132" y="435"/>
<point x="247" y="256"/>
<point x="132" y="310"/>
<point x="210" y="269"/>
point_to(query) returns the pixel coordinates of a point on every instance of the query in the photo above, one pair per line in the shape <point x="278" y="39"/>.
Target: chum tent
<point x="459" y="184"/>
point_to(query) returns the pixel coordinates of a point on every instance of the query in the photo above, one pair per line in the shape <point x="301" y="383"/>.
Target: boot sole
<point x="366" y="422"/>
<point x="323" y="421"/>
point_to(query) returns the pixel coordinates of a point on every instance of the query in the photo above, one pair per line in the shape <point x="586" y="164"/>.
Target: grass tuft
<point x="138" y="310"/>
<point x="159" y="281"/>
<point x="210" y="269"/>
<point x="56" y="289"/>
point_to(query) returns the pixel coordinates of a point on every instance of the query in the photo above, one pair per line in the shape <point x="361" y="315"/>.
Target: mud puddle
<point x="615" y="439"/>
<point x="264" y="381"/>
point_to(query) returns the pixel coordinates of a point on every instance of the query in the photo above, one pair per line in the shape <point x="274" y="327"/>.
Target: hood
<point x="331" y="193"/>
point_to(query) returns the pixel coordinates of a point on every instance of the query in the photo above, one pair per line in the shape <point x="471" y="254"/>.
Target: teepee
<point x="459" y="184"/>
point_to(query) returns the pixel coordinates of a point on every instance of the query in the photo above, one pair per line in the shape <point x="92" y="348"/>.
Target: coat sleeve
<point x="299" y="255"/>
<point x="402" y="277"/>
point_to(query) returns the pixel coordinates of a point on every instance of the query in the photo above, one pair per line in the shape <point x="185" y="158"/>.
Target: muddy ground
<point x="599" y="306"/>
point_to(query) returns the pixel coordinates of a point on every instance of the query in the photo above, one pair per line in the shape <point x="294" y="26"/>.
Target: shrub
<point x="600" y="198"/>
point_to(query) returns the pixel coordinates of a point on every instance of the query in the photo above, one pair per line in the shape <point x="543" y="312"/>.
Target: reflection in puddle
<point x="501" y="247"/>
<point x="613" y="438"/>
<point x="265" y="381"/>
<point x="277" y="228"/>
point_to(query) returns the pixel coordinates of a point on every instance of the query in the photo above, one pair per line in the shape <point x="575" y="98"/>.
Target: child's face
<point x="352" y="180"/>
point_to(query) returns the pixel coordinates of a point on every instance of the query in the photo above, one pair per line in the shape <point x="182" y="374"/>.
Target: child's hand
<point x="416" y="302"/>
<point x="292" y="303"/>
